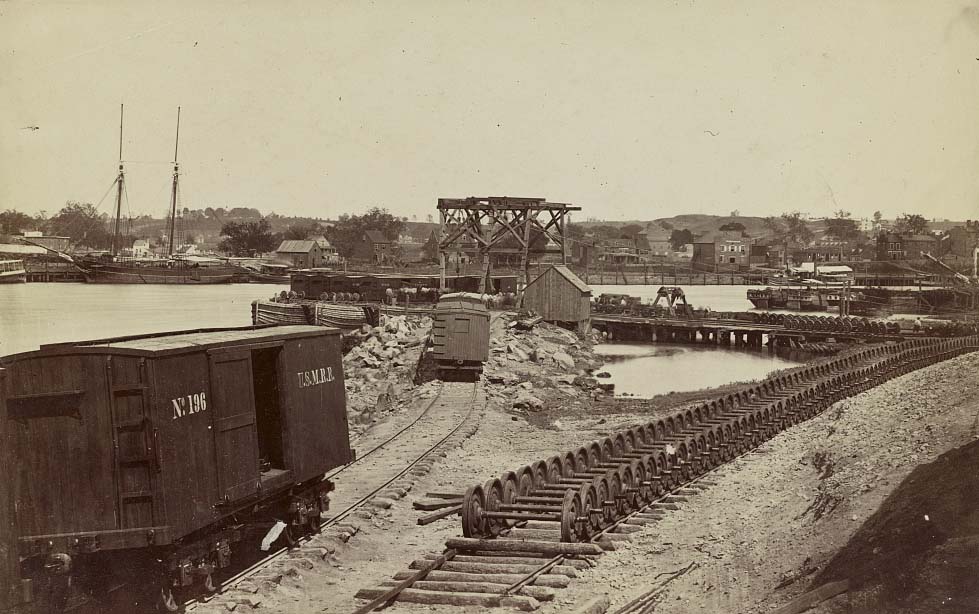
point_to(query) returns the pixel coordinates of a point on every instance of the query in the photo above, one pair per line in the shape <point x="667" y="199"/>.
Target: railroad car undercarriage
<point x="73" y="573"/>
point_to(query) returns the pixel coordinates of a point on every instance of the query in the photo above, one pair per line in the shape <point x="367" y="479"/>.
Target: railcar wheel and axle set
<point x="581" y="495"/>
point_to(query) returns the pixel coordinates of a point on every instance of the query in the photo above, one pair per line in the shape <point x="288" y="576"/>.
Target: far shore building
<point x="377" y="248"/>
<point x="300" y="254"/>
<point x="963" y="240"/>
<point x="653" y="243"/>
<point x="905" y="246"/>
<point x="618" y="251"/>
<point x="724" y="247"/>
<point x="328" y="253"/>
<point x="37" y="237"/>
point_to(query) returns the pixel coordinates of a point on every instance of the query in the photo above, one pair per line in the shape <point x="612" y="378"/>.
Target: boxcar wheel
<point x="166" y="602"/>
<point x="472" y="512"/>
<point x="571" y="510"/>
<point x="313" y="520"/>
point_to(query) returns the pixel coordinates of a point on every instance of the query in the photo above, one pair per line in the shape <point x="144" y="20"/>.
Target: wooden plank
<point x="515" y="560"/>
<point x="506" y="579"/>
<point x="429" y="505"/>
<point x="493" y="567"/>
<point x="430" y="518"/>
<point x="444" y="495"/>
<point x="518" y="545"/>
<point x="540" y="593"/>
<point x="485" y="600"/>
<point x="807" y="600"/>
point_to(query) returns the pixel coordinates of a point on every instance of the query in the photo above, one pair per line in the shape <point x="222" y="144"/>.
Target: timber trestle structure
<point x="530" y="530"/>
<point x="502" y="225"/>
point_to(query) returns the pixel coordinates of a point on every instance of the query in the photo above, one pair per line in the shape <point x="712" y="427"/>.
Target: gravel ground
<point x="757" y="536"/>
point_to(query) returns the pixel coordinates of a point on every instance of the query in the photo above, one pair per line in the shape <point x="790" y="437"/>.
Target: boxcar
<point x="149" y="456"/>
<point x="460" y="333"/>
<point x="13" y="590"/>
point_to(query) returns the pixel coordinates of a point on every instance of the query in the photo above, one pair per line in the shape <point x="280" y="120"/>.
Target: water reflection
<point x="646" y="370"/>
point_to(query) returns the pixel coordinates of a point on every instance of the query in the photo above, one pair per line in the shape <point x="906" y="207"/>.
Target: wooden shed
<point x="559" y="296"/>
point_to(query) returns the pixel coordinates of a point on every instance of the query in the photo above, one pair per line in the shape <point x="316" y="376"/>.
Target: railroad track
<point x="529" y="531"/>
<point x="458" y="404"/>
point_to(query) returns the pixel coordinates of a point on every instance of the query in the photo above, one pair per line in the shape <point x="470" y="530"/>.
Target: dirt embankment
<point x="767" y="527"/>
<point x="920" y="551"/>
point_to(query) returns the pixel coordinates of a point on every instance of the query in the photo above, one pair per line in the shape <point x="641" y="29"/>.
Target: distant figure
<point x="917" y="325"/>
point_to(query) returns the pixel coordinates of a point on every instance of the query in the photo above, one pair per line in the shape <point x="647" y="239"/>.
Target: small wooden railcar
<point x="460" y="333"/>
<point x="154" y="454"/>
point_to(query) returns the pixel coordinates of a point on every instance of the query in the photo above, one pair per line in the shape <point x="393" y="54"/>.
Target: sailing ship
<point x="12" y="271"/>
<point x="115" y="269"/>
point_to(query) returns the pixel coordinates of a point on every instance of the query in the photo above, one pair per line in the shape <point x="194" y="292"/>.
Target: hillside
<point x="694" y="222"/>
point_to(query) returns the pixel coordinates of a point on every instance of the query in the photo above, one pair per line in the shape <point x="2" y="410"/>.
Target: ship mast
<point x="173" y="189"/>
<point x="119" y="187"/>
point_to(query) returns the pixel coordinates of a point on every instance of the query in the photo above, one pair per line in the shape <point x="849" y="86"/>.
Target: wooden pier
<point x="726" y="332"/>
<point x="47" y="271"/>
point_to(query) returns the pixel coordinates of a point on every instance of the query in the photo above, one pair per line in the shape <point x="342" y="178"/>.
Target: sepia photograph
<point x="448" y="306"/>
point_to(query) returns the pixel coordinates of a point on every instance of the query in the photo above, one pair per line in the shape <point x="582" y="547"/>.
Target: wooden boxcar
<point x="460" y="332"/>
<point x="13" y="589"/>
<point x="162" y="447"/>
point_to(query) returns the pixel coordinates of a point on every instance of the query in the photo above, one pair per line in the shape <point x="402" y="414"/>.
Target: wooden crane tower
<point x="487" y="223"/>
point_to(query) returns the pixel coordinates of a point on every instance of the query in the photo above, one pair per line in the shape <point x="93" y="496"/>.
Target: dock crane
<point x="958" y="276"/>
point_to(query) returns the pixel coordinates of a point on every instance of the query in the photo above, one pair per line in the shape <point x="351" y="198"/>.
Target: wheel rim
<point x="473" y="504"/>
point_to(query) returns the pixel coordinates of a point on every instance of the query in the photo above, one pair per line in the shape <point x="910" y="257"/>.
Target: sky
<point x="631" y="110"/>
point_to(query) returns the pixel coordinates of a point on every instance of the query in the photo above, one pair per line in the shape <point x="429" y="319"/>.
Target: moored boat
<point x="113" y="269"/>
<point x="794" y="299"/>
<point x="267" y="273"/>
<point x="12" y="271"/>
<point x="169" y="272"/>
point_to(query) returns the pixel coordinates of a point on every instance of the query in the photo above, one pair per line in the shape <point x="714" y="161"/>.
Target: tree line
<point x="246" y="232"/>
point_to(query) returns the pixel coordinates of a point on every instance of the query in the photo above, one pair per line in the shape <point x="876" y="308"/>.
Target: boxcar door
<point x="235" y="433"/>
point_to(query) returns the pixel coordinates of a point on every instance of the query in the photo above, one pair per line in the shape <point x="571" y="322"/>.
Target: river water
<point x="36" y="313"/>
<point x="646" y="370"/>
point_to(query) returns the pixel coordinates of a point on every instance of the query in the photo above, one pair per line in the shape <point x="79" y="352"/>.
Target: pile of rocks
<point x="529" y="368"/>
<point x="387" y="342"/>
<point x="379" y="369"/>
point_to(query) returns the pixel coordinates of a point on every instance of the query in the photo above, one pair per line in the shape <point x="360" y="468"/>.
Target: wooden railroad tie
<point x="427" y="505"/>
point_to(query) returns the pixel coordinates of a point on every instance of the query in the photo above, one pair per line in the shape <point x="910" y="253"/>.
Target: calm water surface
<point x="645" y="370"/>
<point x="36" y="313"/>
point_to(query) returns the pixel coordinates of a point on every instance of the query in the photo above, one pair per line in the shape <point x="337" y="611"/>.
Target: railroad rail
<point x="530" y="530"/>
<point x="452" y="395"/>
